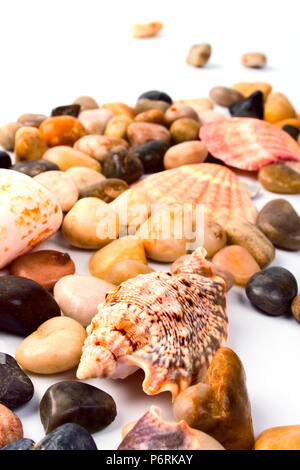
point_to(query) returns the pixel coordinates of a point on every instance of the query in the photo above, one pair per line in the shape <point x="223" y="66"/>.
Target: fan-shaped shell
<point x="170" y="326"/>
<point x="214" y="186"/>
<point x="248" y="144"/>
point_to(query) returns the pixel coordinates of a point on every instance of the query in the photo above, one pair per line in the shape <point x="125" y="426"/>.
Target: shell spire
<point x="168" y="325"/>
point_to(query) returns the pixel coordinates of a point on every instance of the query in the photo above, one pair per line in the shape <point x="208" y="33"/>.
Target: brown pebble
<point x="11" y="429"/>
<point x="45" y="267"/>
<point x="199" y="55"/>
<point x="32" y="120"/>
<point x="180" y="110"/>
<point x="141" y="132"/>
<point x="144" y="104"/>
<point x="86" y="102"/>
<point x="185" y="153"/>
<point x="29" y="144"/>
<point x="152" y="115"/>
<point x="225" y="96"/>
<point x="238" y="261"/>
<point x="279" y="179"/>
<point x="184" y="129"/>
<point x="296" y="308"/>
<point x="254" y="60"/>
<point x="8" y="134"/>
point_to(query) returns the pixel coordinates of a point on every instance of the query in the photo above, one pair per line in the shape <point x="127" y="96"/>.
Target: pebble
<point x="90" y="224"/>
<point x="76" y="402"/>
<point x="249" y="236"/>
<point x="133" y="207"/>
<point x="29" y="144"/>
<point x="296" y="308"/>
<point x="117" y="127"/>
<point x="151" y="155"/>
<point x="248" y="88"/>
<point x="69" y="436"/>
<point x="66" y="157"/>
<point x="145" y="104"/>
<point x="198" y="104"/>
<point x="67" y="110"/>
<point x="20" y="444"/>
<point x="209" y="115"/>
<point x="120" y="109"/>
<point x="295" y="122"/>
<point x="292" y="131"/>
<point x="35" y="167"/>
<point x="238" y="261"/>
<point x="84" y="177"/>
<point x="272" y="290"/>
<point x="199" y="55"/>
<point x="24" y="305"/>
<point x="127" y="269"/>
<point x="61" y="186"/>
<point x="279" y="179"/>
<point x="102" y="262"/>
<point x="254" y="60"/>
<point x="146" y="30"/>
<point x="281" y="224"/>
<point x="122" y="164"/>
<point x="141" y="132"/>
<point x="279" y="438"/>
<point x="154" y="116"/>
<point x="45" y="267"/>
<point x="186" y="153"/>
<point x="86" y="102"/>
<point x="156" y="95"/>
<point x="278" y="107"/>
<point x="107" y="190"/>
<point x="180" y="110"/>
<point x="32" y="120"/>
<point x="62" y="130"/>
<point x="10" y="427"/>
<point x="225" y="97"/>
<point x="16" y="388"/>
<point x="95" y="120"/>
<point x="251" y="107"/>
<point x="99" y="146"/>
<point x="214" y="237"/>
<point x="79" y="296"/>
<point x="184" y="129"/>
<point x="5" y="160"/>
<point x="8" y="134"/>
<point x="38" y="352"/>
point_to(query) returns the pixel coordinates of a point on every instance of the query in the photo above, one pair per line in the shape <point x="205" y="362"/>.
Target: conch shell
<point x="170" y="326"/>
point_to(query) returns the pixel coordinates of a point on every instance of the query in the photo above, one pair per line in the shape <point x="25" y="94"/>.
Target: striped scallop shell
<point x="214" y="186"/>
<point x="249" y="144"/>
<point x="170" y="326"/>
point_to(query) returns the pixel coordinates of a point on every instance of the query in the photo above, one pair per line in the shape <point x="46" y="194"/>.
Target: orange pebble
<point x="120" y="109"/>
<point x="278" y="107"/>
<point x="62" y="130"/>
<point x="289" y="122"/>
<point x="238" y="261"/>
<point x="152" y="115"/>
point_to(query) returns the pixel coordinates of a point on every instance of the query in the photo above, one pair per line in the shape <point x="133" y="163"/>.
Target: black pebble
<point x="24" y="305"/>
<point x="69" y="436"/>
<point x="292" y="130"/>
<point x="5" y="160"/>
<point x="151" y="155"/>
<point x="76" y="402"/>
<point x="156" y="95"/>
<point x="68" y="110"/>
<point x="251" y="107"/>
<point x="272" y="290"/>
<point x="123" y="165"/>
<point x="35" y="167"/>
<point x="21" y="444"/>
<point x="16" y="387"/>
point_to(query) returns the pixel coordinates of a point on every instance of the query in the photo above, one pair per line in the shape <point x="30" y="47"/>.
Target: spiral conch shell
<point x="170" y="326"/>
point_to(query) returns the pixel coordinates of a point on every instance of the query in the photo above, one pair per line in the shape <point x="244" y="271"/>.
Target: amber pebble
<point x="295" y="122"/>
<point x="32" y="120"/>
<point x="184" y="129"/>
<point x="66" y="157"/>
<point x="45" y="267"/>
<point x="152" y="115"/>
<point x="296" y="308"/>
<point x="238" y="261"/>
<point x="199" y="55"/>
<point x="86" y="102"/>
<point x="62" y="130"/>
<point x="120" y="109"/>
<point x="279" y="179"/>
<point x="146" y="30"/>
<point x="127" y="269"/>
<point x="29" y="144"/>
<point x="279" y="438"/>
<point x="117" y="127"/>
<point x="254" y="60"/>
<point x="141" y="132"/>
<point x="248" y="88"/>
<point x="278" y="107"/>
<point x="8" y="134"/>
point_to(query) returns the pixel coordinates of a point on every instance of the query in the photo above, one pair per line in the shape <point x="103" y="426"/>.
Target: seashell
<point x="152" y="432"/>
<point x="248" y="144"/>
<point x="170" y="326"/>
<point x="29" y="215"/>
<point x="214" y="186"/>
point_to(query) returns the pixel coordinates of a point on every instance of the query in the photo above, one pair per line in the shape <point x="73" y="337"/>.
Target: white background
<point x="54" y="51"/>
